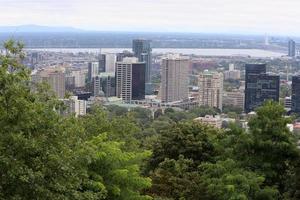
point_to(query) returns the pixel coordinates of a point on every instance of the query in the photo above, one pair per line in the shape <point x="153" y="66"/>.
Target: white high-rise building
<point x="110" y="62"/>
<point x="174" y="78"/>
<point x="79" y="78"/>
<point x="211" y="89"/>
<point x="232" y="74"/>
<point x="93" y="70"/>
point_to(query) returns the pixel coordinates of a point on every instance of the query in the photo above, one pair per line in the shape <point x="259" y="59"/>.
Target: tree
<point x="226" y="180"/>
<point x="192" y="140"/>
<point x="44" y="155"/>
<point x="177" y="153"/>
<point x="272" y="151"/>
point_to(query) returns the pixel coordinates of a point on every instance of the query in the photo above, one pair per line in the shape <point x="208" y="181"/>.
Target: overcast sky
<point x="236" y="16"/>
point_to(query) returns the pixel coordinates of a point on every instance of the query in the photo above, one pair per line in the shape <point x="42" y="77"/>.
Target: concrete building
<point x="232" y="74"/>
<point x="288" y="103"/>
<point x="174" y="78"/>
<point x="54" y="78"/>
<point x="130" y="79"/>
<point x="235" y="98"/>
<point x="211" y="89"/>
<point x="110" y="61"/>
<point x="108" y="84"/>
<point x="93" y="70"/>
<point x="215" y="121"/>
<point x="97" y="91"/>
<point x="78" y="107"/>
<point x="79" y="78"/>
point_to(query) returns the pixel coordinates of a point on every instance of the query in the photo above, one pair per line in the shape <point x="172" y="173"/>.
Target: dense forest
<point x="116" y="154"/>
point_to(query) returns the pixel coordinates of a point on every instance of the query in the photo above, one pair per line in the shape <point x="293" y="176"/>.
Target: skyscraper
<point x="110" y="61"/>
<point x="96" y="86"/>
<point x="211" y="89"/>
<point x="56" y="81"/>
<point x="108" y="84"/>
<point x="54" y="78"/>
<point x="174" y="78"/>
<point x="292" y="48"/>
<point x="130" y="79"/>
<point x="102" y="63"/>
<point x="296" y="94"/>
<point x="93" y="70"/>
<point x="259" y="86"/>
<point x="143" y="51"/>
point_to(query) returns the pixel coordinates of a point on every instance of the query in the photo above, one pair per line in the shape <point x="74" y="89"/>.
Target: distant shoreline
<point x="196" y="51"/>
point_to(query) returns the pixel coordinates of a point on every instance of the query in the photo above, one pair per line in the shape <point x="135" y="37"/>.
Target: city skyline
<point x="221" y="16"/>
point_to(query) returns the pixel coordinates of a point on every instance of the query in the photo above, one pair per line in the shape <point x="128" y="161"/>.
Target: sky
<point x="280" y="17"/>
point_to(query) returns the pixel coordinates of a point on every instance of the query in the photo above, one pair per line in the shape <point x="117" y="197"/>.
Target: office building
<point x="174" y="79"/>
<point x="211" y="89"/>
<point x="110" y="61"/>
<point x="232" y="74"/>
<point x="102" y="63"/>
<point x="292" y="48"/>
<point x="296" y="94"/>
<point x="54" y="78"/>
<point x="73" y="105"/>
<point x="97" y="91"/>
<point x="56" y="81"/>
<point x="93" y="70"/>
<point x="130" y="79"/>
<point x="143" y="51"/>
<point x="288" y="103"/>
<point x="259" y="86"/>
<point x="235" y="98"/>
<point x="79" y="78"/>
<point x="124" y="54"/>
<point x="108" y="84"/>
<point x="214" y="121"/>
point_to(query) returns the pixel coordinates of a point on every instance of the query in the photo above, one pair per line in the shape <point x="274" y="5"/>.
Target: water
<point x="201" y="52"/>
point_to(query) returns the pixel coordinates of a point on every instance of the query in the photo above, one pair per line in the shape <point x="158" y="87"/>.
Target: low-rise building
<point x="215" y="121"/>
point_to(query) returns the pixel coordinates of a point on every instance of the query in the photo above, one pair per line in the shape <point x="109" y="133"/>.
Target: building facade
<point x="78" y="107"/>
<point x="111" y="60"/>
<point x="259" y="86"/>
<point x="93" y="70"/>
<point x="174" y="79"/>
<point x="235" y="98"/>
<point x="143" y="51"/>
<point x="130" y="79"/>
<point x="296" y="94"/>
<point x="291" y="48"/>
<point x="211" y="89"/>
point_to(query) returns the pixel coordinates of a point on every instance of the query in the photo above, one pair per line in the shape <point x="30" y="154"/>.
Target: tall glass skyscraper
<point x="143" y="51"/>
<point x="259" y="86"/>
<point x="296" y="94"/>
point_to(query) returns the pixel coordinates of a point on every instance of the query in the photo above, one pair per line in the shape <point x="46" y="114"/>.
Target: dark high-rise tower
<point x="296" y="94"/>
<point x="259" y="86"/>
<point x="292" y="48"/>
<point x="102" y="63"/>
<point x="142" y="50"/>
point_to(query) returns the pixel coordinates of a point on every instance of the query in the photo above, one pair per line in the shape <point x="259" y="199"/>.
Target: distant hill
<point x="37" y="29"/>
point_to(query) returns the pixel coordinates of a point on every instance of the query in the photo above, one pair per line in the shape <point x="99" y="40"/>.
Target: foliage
<point x="44" y="155"/>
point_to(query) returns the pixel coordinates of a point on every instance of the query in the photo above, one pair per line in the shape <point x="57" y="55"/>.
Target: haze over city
<point x="218" y="16"/>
